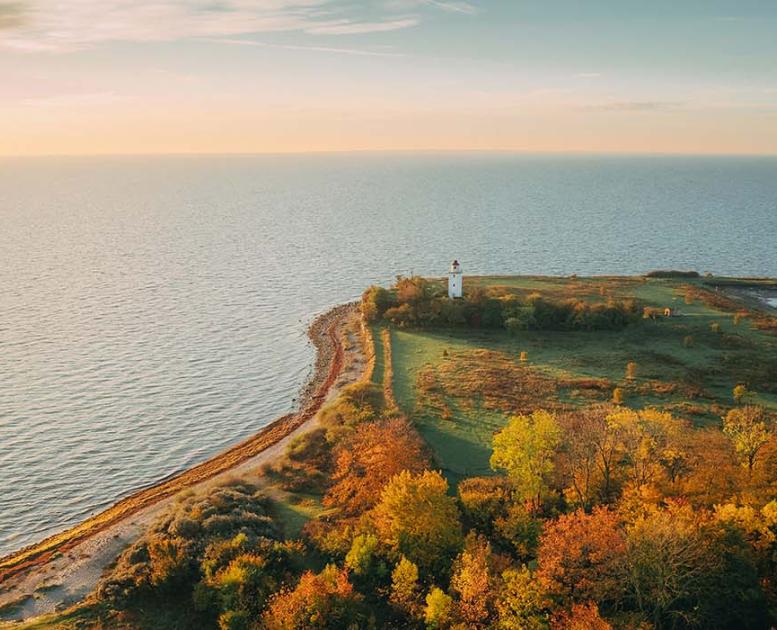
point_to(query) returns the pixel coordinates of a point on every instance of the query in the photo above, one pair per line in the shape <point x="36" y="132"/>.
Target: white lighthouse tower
<point x="455" y="287"/>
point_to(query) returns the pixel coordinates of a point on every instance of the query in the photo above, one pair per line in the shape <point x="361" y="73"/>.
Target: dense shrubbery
<point x="416" y="302"/>
<point x="219" y="552"/>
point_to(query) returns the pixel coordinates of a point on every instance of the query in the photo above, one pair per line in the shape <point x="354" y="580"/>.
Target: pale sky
<point x="202" y="76"/>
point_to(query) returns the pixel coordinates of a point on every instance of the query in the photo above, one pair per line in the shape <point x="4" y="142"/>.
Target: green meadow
<point x="688" y="363"/>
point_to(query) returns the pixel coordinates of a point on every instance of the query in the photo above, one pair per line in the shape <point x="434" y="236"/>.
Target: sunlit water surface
<point x="153" y="310"/>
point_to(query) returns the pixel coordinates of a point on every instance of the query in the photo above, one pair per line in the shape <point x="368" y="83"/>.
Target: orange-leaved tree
<point x="581" y="557"/>
<point x="324" y="600"/>
<point x="369" y="458"/>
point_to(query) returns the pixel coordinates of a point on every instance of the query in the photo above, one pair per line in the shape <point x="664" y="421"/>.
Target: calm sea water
<point x="153" y="310"/>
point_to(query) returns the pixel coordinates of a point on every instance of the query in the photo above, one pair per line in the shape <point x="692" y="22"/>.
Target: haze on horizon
<point x="211" y="76"/>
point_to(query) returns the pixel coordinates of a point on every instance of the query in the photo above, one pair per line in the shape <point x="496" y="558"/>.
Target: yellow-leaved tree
<point x="416" y="517"/>
<point x="749" y="429"/>
<point x="524" y="449"/>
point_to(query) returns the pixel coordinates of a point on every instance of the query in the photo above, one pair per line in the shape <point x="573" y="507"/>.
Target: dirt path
<point x="64" y="568"/>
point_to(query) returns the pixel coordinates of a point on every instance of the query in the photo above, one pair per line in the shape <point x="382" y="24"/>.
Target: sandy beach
<point x="64" y="568"/>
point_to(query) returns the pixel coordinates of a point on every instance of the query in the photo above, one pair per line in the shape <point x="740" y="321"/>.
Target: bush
<point x="189" y="542"/>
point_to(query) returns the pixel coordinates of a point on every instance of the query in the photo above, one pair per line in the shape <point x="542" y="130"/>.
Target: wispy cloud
<point x="452" y="6"/>
<point x="53" y="25"/>
<point x="323" y="49"/>
<point x="346" y="27"/>
<point x="455" y="7"/>
<point x="635" y="106"/>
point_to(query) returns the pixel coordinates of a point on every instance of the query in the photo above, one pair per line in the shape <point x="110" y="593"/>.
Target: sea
<point x="153" y="310"/>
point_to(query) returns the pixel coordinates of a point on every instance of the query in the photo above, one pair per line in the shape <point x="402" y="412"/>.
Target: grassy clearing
<point x="293" y="510"/>
<point x="460" y="385"/>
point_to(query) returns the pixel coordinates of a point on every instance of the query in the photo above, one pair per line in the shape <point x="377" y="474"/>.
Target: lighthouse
<point x="454" y="280"/>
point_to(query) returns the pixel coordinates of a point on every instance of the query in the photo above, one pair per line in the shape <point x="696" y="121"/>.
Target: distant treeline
<point x="415" y="302"/>
<point x="671" y="273"/>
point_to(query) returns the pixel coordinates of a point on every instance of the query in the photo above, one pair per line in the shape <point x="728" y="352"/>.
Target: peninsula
<point x="473" y="452"/>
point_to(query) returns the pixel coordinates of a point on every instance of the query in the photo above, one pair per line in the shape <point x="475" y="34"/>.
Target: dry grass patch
<point x="492" y="379"/>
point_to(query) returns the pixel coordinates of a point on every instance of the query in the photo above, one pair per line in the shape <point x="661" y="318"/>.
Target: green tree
<point x="363" y="560"/>
<point x="524" y="449"/>
<point x="375" y="301"/>
<point x="234" y="620"/>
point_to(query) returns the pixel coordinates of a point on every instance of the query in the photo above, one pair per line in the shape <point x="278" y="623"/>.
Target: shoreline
<point x="328" y="365"/>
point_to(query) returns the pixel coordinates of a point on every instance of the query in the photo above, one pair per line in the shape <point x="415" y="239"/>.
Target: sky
<point x="251" y="76"/>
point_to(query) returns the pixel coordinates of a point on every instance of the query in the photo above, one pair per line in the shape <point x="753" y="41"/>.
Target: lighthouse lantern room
<point x="455" y="280"/>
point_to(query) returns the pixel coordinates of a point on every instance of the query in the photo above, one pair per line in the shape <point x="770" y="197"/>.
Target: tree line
<point x="415" y="301"/>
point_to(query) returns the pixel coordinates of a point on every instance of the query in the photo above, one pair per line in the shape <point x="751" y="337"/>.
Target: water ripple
<point x="153" y="310"/>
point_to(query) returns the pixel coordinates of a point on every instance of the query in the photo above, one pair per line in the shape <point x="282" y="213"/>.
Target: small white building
<point x="455" y="286"/>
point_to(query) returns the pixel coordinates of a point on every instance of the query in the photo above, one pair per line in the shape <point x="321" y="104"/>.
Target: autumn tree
<point x="518" y="530"/>
<point x="749" y="429"/>
<point x="668" y="564"/>
<point x="524" y="449"/>
<point x="580" y="617"/>
<point x="684" y="571"/>
<point x="416" y="518"/>
<point x="590" y="452"/>
<point x="739" y="393"/>
<point x="369" y="458"/>
<point x="324" y="600"/>
<point x="412" y="290"/>
<point x="650" y="440"/>
<point x="582" y="557"/>
<point x="521" y="602"/>
<point x="439" y="613"/>
<point x="473" y="583"/>
<point x="713" y="473"/>
<point x="631" y="370"/>
<point x="405" y="593"/>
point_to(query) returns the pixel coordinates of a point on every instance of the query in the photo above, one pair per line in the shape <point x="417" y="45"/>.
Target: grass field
<point x="461" y="385"/>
